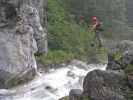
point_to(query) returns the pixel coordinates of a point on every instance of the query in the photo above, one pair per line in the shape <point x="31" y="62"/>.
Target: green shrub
<point x="64" y="34"/>
<point x="102" y="55"/>
<point x="67" y="38"/>
<point x="55" y="57"/>
<point x="117" y="56"/>
<point x="129" y="68"/>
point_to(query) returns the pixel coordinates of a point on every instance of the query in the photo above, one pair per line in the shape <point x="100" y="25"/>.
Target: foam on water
<point x="51" y="86"/>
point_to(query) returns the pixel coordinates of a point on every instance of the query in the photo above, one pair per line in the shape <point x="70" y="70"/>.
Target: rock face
<point x="11" y="9"/>
<point x="125" y="61"/>
<point x="120" y="56"/>
<point x="104" y="85"/>
<point x="21" y="35"/>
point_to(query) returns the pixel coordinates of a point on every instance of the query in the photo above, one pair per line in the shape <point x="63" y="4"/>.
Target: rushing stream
<point x="52" y="85"/>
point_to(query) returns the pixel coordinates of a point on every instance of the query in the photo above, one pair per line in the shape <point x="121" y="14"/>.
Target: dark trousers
<point x="98" y="38"/>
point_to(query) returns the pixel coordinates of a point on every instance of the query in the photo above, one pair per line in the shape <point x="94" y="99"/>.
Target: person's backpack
<point x="100" y="27"/>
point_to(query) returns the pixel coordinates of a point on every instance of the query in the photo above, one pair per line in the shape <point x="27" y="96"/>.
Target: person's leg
<point x="98" y="38"/>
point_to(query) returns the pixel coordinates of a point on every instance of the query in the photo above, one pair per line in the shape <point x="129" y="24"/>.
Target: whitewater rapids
<point x="52" y="85"/>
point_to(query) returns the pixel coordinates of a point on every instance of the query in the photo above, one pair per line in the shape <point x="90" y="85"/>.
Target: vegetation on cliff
<point x="66" y="35"/>
<point x="67" y="39"/>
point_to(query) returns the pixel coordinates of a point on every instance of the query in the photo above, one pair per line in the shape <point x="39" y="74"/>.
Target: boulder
<point x="21" y="36"/>
<point x="105" y="85"/>
<point x="75" y="94"/>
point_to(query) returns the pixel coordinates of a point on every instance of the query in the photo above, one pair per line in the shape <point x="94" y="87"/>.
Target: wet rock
<point x="75" y="94"/>
<point x="105" y="85"/>
<point x="71" y="74"/>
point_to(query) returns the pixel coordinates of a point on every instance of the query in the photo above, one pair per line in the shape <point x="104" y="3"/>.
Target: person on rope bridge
<point x="96" y="27"/>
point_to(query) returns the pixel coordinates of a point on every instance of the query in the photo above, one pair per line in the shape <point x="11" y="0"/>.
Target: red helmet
<point x="94" y="18"/>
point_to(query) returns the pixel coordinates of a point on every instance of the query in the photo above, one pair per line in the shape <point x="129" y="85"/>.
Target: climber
<point x="96" y="27"/>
